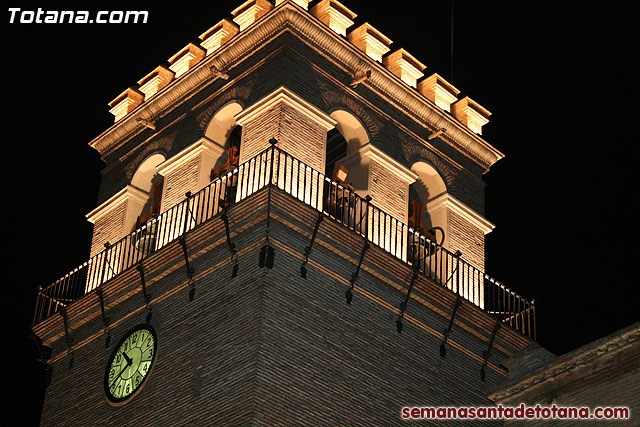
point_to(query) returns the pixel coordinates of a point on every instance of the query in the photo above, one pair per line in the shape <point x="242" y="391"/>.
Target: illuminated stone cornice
<point x="199" y="147"/>
<point x="335" y="15"/>
<point x="128" y="193"/>
<point x="218" y="35"/>
<point x="470" y="113"/>
<point x="452" y="204"/>
<point x="371" y="152"/>
<point x="575" y="366"/>
<point x="155" y="80"/>
<point x="405" y="66"/>
<point x="186" y="58"/>
<point x="438" y="90"/>
<point x="289" y="16"/>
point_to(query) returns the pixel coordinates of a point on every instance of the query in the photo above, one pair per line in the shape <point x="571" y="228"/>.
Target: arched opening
<point x="148" y="180"/>
<point x="222" y="123"/>
<point x="351" y="130"/>
<point x="337" y="148"/>
<point x="151" y="182"/>
<point x="347" y="137"/>
<point x="234" y="137"/>
<point x="427" y="187"/>
<point x="227" y="134"/>
<point x="431" y="225"/>
<point x="231" y="162"/>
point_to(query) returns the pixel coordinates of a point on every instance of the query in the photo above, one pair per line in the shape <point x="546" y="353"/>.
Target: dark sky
<point x="559" y="80"/>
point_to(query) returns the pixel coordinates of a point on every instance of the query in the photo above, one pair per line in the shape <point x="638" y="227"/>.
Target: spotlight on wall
<point x="436" y="134"/>
<point x="359" y="77"/>
<point x="270" y="257"/>
<point x="146" y="123"/>
<point x="214" y="70"/>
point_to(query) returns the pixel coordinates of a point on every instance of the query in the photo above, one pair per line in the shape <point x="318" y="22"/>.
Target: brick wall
<point x="285" y="60"/>
<point x="296" y="133"/>
<point x="109" y="228"/>
<point x="267" y="347"/>
<point x="466" y="238"/>
<point x="602" y="374"/>
<point x="180" y="180"/>
<point x="388" y="192"/>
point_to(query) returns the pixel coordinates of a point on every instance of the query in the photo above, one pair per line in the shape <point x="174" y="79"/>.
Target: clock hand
<point x="129" y="362"/>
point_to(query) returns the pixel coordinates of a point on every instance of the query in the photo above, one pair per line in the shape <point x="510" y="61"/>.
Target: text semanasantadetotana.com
<point x="522" y="412"/>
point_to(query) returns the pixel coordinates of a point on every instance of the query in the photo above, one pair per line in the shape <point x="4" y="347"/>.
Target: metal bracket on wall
<point x="267" y="252"/>
<point x="106" y="263"/>
<point x="403" y="305"/>
<point x="183" y="243"/>
<point x="486" y="353"/>
<point x="105" y="320"/>
<point x="188" y="213"/>
<point x="231" y="246"/>
<point x="365" y="212"/>
<point x="307" y="250"/>
<point x="354" y="276"/>
<point x="445" y="333"/>
<point x="44" y="352"/>
<point x="68" y="338"/>
<point x="458" y="254"/>
<point x="145" y="295"/>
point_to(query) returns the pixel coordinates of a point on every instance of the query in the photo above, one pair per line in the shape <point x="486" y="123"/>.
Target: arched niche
<point x="351" y="129"/>
<point x="225" y="132"/>
<point x="222" y="123"/>
<point x="429" y="186"/>
<point x="148" y="180"/>
<point x="145" y="172"/>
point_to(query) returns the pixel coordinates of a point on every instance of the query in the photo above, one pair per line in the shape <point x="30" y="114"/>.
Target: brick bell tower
<point x="290" y="231"/>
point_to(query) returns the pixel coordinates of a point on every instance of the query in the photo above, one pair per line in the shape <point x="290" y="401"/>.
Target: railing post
<point x="188" y="195"/>
<point x="107" y="246"/>
<point x="273" y="143"/>
<point x="458" y="254"/>
<point x="507" y="305"/>
<point x="533" y="319"/>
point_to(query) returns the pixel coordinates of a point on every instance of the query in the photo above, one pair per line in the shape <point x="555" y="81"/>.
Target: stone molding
<point x="128" y="193"/>
<point x="371" y="152"/>
<point x="282" y="95"/>
<point x="203" y="145"/>
<point x="446" y="200"/>
<point x="290" y="16"/>
<point x="571" y="362"/>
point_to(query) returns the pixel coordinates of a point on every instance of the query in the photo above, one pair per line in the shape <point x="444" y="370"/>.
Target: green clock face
<point x="130" y="363"/>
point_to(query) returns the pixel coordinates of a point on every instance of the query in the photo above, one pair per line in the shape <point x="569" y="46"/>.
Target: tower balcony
<point x="274" y="170"/>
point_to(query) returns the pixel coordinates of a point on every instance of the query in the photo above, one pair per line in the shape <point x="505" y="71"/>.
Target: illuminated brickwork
<point x="269" y="344"/>
<point x="268" y="347"/>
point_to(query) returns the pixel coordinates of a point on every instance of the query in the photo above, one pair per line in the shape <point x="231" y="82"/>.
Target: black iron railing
<point x="276" y="167"/>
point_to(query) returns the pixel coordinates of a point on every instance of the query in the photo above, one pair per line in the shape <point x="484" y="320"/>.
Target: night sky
<point x="560" y="82"/>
